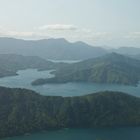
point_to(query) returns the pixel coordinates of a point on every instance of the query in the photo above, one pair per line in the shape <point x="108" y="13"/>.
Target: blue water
<point x="25" y="77"/>
<point x="128" y="133"/>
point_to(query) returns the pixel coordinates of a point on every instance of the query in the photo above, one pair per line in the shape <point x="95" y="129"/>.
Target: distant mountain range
<point x="111" y="68"/>
<point x="59" y="49"/>
<point x="56" y="49"/>
<point x="127" y="50"/>
<point x="24" y="111"/>
<point x="136" y="56"/>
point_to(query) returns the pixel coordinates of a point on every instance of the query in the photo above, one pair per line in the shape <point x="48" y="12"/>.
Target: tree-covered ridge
<point x="24" y="111"/>
<point x="111" y="68"/>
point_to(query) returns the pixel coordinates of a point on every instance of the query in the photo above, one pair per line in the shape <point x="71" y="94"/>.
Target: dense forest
<point x="24" y="111"/>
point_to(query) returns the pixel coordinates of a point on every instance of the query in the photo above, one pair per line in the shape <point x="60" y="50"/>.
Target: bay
<point x="25" y="77"/>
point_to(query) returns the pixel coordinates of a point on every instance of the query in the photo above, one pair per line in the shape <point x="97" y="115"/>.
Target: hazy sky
<point x="99" y="22"/>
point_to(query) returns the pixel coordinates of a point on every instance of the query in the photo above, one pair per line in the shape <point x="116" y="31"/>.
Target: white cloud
<point x="59" y="27"/>
<point x="4" y="32"/>
<point x="92" y="35"/>
<point x="133" y="35"/>
<point x="83" y="34"/>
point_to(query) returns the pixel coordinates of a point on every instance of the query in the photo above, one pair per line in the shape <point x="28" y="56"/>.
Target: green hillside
<point x="24" y="111"/>
<point x="112" y="68"/>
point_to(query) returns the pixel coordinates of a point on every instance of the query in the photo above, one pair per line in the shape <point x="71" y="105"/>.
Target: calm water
<point x="85" y="134"/>
<point x="25" y="78"/>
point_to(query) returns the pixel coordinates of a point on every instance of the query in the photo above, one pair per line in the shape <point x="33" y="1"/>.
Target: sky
<point x="107" y="23"/>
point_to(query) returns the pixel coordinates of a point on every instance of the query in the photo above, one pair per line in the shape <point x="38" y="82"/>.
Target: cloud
<point x="84" y="34"/>
<point x="4" y="32"/>
<point x="92" y="35"/>
<point x="58" y="27"/>
<point x="133" y="35"/>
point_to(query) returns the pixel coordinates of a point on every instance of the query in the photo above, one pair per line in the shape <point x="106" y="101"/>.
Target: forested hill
<point x="111" y="68"/>
<point x="24" y="111"/>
